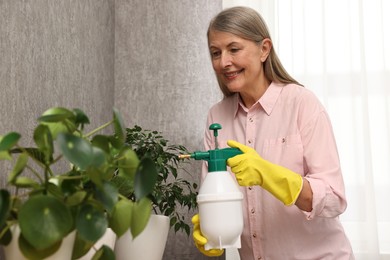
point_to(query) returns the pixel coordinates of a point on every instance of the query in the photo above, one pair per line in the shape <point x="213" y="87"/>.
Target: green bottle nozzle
<point x="216" y="158"/>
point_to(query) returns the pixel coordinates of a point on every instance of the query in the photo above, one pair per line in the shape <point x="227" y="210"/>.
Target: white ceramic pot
<point x="149" y="245"/>
<point x="12" y="251"/>
<point x="107" y="239"/>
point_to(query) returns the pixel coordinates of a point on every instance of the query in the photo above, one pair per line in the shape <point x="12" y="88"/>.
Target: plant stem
<point x="35" y="173"/>
<point x="99" y="128"/>
<point x="69" y="177"/>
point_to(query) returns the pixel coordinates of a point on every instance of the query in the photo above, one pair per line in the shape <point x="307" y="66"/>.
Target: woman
<point x="289" y="170"/>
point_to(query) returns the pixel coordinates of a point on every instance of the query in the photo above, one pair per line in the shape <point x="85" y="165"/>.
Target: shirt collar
<point x="269" y="98"/>
<point x="267" y="101"/>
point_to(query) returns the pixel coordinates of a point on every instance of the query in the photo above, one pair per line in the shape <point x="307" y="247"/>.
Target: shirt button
<point x="249" y="141"/>
<point x="254" y="235"/>
<point x="250" y="188"/>
<point x="259" y="258"/>
<point x="253" y="211"/>
<point x="251" y="119"/>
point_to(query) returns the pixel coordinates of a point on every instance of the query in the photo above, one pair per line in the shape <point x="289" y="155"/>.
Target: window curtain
<point x="340" y="49"/>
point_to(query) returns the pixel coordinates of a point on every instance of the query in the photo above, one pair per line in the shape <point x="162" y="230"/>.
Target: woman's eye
<point x="215" y="54"/>
<point x="234" y="50"/>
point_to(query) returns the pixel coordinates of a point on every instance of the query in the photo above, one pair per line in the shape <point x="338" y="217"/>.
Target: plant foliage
<point x="172" y="193"/>
<point x="48" y="204"/>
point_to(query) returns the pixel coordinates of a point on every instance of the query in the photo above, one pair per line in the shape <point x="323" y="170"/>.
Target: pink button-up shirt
<point x="287" y="126"/>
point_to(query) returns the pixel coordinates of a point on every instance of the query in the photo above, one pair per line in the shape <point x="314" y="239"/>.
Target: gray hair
<point x="246" y="23"/>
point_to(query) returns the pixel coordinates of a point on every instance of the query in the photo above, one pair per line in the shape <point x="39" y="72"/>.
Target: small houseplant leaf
<point x="76" y="149"/>
<point x="20" y="164"/>
<point x="107" y="195"/>
<point x="81" y="118"/>
<point x="44" y="221"/>
<point x="32" y="253"/>
<point x="6" y="238"/>
<point x="118" y="126"/>
<point x="59" y="120"/>
<point x="9" y="140"/>
<point x="104" y="253"/>
<point x="76" y="198"/>
<point x="145" y="178"/>
<point x="4" y="205"/>
<point x="102" y="142"/>
<point x="128" y="163"/>
<point x="140" y="216"/>
<point x="80" y="247"/>
<point x="44" y="141"/>
<point x="120" y="218"/>
<point x="56" y="114"/>
<point x="25" y="182"/>
<point x="91" y="223"/>
<point x="4" y="155"/>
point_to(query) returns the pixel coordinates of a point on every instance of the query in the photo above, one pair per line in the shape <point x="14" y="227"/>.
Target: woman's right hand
<point x="200" y="240"/>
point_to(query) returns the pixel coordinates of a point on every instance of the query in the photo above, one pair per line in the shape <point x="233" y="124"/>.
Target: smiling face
<point x="237" y="62"/>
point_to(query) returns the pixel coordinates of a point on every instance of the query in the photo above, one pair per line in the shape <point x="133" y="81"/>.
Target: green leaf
<point x="81" y="117"/>
<point x="31" y="252"/>
<point x="120" y="218"/>
<point x="76" y="198"/>
<point x="107" y="196"/>
<point x="61" y="127"/>
<point x="6" y="238"/>
<point x="32" y="152"/>
<point x="69" y="186"/>
<point x="76" y="149"/>
<point x="145" y="178"/>
<point x="104" y="253"/>
<point x="81" y="247"/>
<point x="54" y="189"/>
<point x="124" y="185"/>
<point x="172" y="221"/>
<point x="177" y="226"/>
<point x="91" y="223"/>
<point x="44" y="221"/>
<point x="118" y="126"/>
<point x="25" y="182"/>
<point x="56" y="114"/>
<point x="140" y="216"/>
<point x="128" y="163"/>
<point x="102" y="142"/>
<point x="4" y="205"/>
<point x="44" y="141"/>
<point x="98" y="157"/>
<point x="9" y="140"/>
<point x="59" y="120"/>
<point x="20" y="164"/>
<point x="95" y="176"/>
<point x="4" y="155"/>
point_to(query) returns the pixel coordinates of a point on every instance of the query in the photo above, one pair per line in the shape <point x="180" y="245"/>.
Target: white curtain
<point x="340" y="49"/>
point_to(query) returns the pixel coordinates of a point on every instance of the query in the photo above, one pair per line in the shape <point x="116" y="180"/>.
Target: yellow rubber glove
<point x="250" y="169"/>
<point x="200" y="240"/>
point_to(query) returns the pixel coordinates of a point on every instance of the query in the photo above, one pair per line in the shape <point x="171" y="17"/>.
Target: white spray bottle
<point x="219" y="199"/>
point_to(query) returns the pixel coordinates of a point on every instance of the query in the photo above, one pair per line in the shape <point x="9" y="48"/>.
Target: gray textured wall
<point x="147" y="58"/>
<point x="163" y="77"/>
<point x="55" y="53"/>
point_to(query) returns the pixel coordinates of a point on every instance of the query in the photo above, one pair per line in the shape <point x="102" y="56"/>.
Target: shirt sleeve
<point x="322" y="164"/>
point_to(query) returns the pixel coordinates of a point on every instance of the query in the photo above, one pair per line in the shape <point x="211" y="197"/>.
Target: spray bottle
<point x="219" y="199"/>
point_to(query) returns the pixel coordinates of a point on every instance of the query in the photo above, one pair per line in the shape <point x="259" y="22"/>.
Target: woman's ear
<point x="266" y="46"/>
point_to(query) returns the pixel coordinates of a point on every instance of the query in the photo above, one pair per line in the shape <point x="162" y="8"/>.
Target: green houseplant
<point x="68" y="186"/>
<point x="172" y="194"/>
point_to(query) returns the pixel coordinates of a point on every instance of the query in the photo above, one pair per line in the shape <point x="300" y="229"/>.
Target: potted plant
<point x="62" y="186"/>
<point x="172" y="195"/>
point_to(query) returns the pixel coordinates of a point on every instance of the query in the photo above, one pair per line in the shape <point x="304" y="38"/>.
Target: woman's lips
<point x="232" y="75"/>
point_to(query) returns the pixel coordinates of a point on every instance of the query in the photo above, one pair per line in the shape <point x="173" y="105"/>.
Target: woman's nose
<point x="226" y="60"/>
